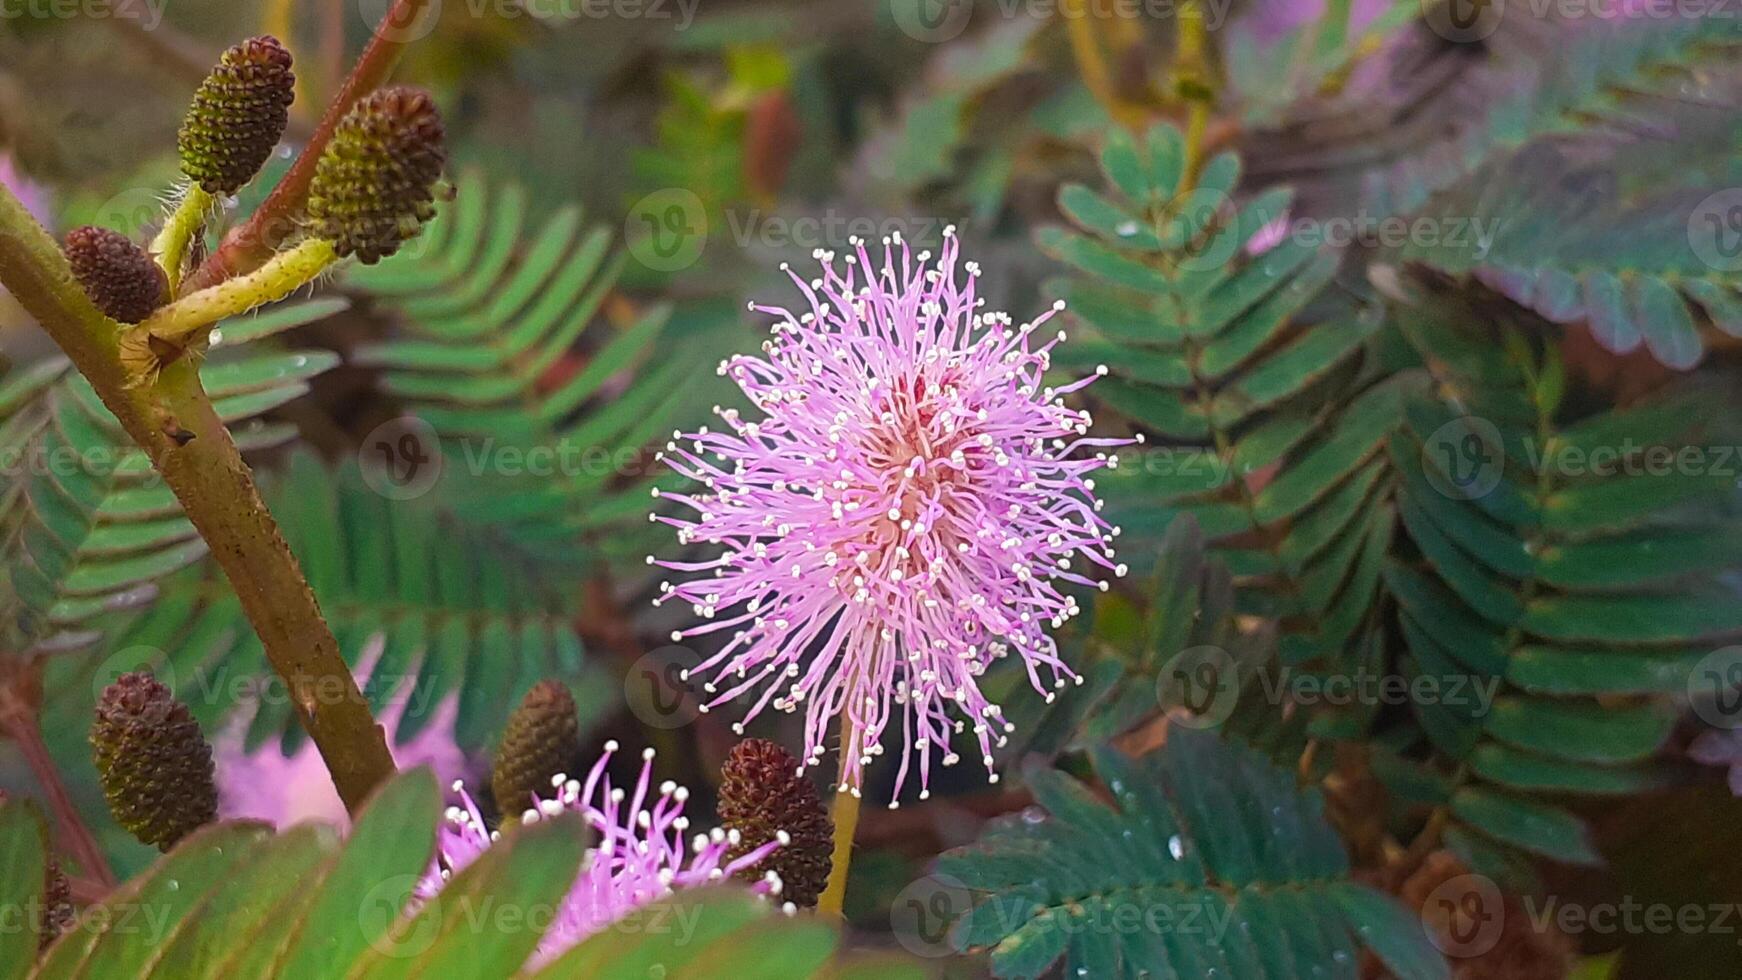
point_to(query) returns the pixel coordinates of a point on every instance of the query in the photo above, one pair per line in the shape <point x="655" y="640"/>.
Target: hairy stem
<point x="171" y="245"/>
<point x="174" y="422"/>
<point x="845" y="813"/>
<point x="189" y="318"/>
<point x="252" y="245"/>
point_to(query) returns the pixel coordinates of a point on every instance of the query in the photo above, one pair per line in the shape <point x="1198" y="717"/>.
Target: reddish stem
<point x="248" y="247"/>
<point x="19" y="719"/>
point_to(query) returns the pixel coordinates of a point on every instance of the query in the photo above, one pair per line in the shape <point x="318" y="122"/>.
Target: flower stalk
<point x="845" y="814"/>
<point x="174" y="242"/>
<point x="166" y="334"/>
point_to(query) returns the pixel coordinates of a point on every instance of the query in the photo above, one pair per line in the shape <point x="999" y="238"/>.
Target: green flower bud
<point x="237" y="115"/>
<point x="153" y="762"/>
<point x="374" y="186"/>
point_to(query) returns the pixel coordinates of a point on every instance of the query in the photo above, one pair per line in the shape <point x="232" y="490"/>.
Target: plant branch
<point x="1192" y="83"/>
<point x="1081" y="27"/>
<point x="175" y="327"/>
<point x="174" y="422"/>
<point x="253" y="244"/>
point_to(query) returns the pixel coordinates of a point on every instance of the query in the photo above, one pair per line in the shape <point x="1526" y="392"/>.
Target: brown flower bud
<point x="153" y="762"/>
<point x="121" y="279"/>
<point x="761" y="795"/>
<point x="541" y="740"/>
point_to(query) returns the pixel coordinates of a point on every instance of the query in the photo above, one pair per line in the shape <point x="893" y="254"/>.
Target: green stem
<point x="845" y="813"/>
<point x="191" y="317"/>
<point x="174" y="422"/>
<point x="171" y="245"/>
<point x="1191" y="69"/>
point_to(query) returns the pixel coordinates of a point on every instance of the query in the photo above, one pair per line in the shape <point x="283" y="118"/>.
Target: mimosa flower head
<point x="901" y="513"/>
<point x="644" y="850"/>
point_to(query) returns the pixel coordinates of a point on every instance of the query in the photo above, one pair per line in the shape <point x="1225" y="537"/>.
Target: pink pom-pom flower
<point x="644" y="851"/>
<point x="901" y="514"/>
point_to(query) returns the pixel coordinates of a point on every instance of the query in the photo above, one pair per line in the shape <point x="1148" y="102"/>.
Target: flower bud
<point x="121" y="279"/>
<point x="57" y="905"/>
<point x="762" y="794"/>
<point x="541" y="740"/>
<point x="57" y="912"/>
<point x="237" y="116"/>
<point x="374" y="186"/>
<point x="153" y="762"/>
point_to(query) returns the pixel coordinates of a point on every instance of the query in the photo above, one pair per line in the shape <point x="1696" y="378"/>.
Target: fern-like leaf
<point x="1207" y="862"/>
<point x="1249" y="375"/>
<point x="496" y="320"/>
<point x="86" y="525"/>
<point x="1639" y="264"/>
<point x="453" y="611"/>
<point x="1564" y="583"/>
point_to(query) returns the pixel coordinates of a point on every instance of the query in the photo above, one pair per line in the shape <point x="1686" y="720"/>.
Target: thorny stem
<point x="174" y="422"/>
<point x="252" y="245"/>
<point x="20" y="722"/>
<point x="170" y="247"/>
<point x="845" y="813"/>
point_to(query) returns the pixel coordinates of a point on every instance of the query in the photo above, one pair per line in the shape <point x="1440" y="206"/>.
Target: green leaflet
<point x="1232" y="867"/>
<point x="505" y="354"/>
